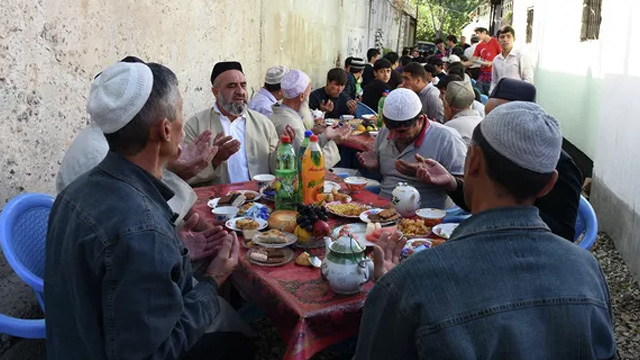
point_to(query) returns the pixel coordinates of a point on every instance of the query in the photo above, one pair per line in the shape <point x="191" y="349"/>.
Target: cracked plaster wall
<point x="50" y="51"/>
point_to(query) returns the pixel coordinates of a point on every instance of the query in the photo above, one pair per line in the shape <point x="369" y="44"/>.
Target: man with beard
<point x="246" y="140"/>
<point x="296" y="87"/>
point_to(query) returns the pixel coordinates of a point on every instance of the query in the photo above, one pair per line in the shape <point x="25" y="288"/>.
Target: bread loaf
<point x="284" y="220"/>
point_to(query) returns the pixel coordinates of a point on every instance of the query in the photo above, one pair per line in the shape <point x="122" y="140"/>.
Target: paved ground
<point x="625" y="297"/>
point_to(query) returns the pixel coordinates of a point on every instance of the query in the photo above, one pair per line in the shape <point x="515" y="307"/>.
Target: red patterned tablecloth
<point x="360" y="142"/>
<point x="308" y="315"/>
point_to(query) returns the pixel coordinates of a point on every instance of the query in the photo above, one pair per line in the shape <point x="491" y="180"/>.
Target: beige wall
<point x="50" y="50"/>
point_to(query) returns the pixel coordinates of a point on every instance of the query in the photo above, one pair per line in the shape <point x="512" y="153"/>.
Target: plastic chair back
<point x="23" y="233"/>
<point x="586" y="224"/>
<point x="484" y="98"/>
<point x="363" y="109"/>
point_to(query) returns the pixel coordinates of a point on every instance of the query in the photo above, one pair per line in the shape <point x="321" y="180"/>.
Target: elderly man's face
<point x="230" y="89"/>
<point x="334" y="89"/>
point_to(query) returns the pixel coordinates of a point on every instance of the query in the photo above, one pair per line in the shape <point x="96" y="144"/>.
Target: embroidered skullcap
<point x="223" y="66"/>
<point x="402" y="105"/>
<point x="459" y="95"/>
<point x="294" y="83"/>
<point x="275" y="74"/>
<point x="454" y="58"/>
<point x="118" y="94"/>
<point x="525" y="134"/>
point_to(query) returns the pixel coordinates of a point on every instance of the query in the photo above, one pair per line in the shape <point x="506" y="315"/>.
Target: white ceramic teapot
<point x="406" y="199"/>
<point x="346" y="267"/>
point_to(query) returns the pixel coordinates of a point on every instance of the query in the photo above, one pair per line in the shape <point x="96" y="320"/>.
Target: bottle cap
<point x="285" y="139"/>
<point x="314" y="138"/>
<point x="308" y="133"/>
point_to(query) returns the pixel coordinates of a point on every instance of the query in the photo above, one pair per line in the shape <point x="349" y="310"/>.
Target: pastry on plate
<point x="273" y="236"/>
<point x="228" y="200"/>
<point x="247" y="224"/>
<point x="271" y="256"/>
<point x="387" y="215"/>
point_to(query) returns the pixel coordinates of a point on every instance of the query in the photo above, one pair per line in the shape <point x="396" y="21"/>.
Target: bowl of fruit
<point x="311" y="226"/>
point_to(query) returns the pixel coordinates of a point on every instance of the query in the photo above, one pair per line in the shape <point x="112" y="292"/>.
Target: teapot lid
<point x="347" y="245"/>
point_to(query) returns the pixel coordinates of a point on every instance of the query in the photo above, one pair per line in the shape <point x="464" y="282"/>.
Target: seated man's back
<point x="503" y="287"/>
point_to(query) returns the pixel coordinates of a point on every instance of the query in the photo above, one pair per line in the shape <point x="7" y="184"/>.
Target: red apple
<point x="321" y="228"/>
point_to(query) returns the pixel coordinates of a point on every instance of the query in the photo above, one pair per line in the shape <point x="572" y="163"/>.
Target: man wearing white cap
<point x="270" y="93"/>
<point x="503" y="286"/>
<point x="458" y="113"/>
<point x="117" y="278"/>
<point x="246" y="139"/>
<point x="406" y="133"/>
<point x="296" y="87"/>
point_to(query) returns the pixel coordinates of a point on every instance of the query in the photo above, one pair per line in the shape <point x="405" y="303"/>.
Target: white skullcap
<point x="402" y="105"/>
<point x="294" y="83"/>
<point x="525" y="134"/>
<point x="275" y="74"/>
<point x="454" y="58"/>
<point x="118" y="94"/>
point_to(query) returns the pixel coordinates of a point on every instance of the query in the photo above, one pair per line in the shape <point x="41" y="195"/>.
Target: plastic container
<point x="380" y="107"/>
<point x="313" y="173"/>
<point x="286" y="183"/>
<point x="303" y="147"/>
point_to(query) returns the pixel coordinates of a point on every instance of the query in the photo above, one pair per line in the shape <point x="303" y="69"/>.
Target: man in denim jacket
<point x="503" y="286"/>
<point x="118" y="282"/>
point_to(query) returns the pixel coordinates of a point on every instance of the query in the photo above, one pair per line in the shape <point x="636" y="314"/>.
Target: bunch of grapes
<point x="309" y="215"/>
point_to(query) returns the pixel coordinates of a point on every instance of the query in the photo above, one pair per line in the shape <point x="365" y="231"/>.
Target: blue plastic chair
<point x="23" y="233"/>
<point x="455" y="215"/>
<point x="473" y="82"/>
<point x="363" y="109"/>
<point x="484" y="98"/>
<point x="587" y="224"/>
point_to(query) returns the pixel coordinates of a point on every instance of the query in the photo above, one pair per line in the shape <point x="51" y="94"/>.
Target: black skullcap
<point x="223" y="66"/>
<point x="132" y="59"/>
<point x="514" y="90"/>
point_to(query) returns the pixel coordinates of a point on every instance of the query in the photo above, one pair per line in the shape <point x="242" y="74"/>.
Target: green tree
<point x="439" y="18"/>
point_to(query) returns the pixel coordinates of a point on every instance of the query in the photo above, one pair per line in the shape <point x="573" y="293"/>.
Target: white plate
<point x="344" y="216"/>
<point x="287" y="258"/>
<point x="267" y="197"/>
<point x="291" y="239"/>
<point x="231" y="224"/>
<point x="365" y="217"/>
<point x="358" y="230"/>
<point x="330" y="185"/>
<point x="373" y="133"/>
<point x="255" y="193"/>
<point x="330" y="121"/>
<point x="444" y="230"/>
<point x="213" y="203"/>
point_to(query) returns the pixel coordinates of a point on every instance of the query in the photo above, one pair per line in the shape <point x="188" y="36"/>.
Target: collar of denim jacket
<point x="150" y="186"/>
<point x="500" y="219"/>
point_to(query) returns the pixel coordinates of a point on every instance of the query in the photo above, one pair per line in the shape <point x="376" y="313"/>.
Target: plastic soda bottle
<point x="313" y="173"/>
<point x="286" y="184"/>
<point x="380" y="107"/>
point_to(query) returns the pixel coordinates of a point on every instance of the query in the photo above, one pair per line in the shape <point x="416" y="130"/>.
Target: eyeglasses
<point x="391" y="124"/>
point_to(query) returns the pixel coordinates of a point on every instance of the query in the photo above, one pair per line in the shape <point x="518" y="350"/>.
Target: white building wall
<point x="592" y="88"/>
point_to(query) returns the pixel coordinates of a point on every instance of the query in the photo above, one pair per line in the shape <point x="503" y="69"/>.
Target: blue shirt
<point x="118" y="282"/>
<point x="503" y="287"/>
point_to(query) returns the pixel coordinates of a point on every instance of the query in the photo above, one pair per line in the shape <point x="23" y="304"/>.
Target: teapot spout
<point x="327" y="243"/>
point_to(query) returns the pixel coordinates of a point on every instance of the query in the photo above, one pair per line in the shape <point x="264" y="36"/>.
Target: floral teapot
<point x="346" y="267"/>
<point x="406" y="199"/>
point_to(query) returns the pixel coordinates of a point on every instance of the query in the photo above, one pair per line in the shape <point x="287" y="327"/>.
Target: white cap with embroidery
<point x="402" y="105"/>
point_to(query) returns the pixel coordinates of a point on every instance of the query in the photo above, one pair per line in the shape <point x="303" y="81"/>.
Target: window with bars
<point x="529" y="24"/>
<point x="591" y="19"/>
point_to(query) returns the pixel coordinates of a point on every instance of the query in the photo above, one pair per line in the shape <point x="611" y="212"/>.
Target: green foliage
<point x="439" y="18"/>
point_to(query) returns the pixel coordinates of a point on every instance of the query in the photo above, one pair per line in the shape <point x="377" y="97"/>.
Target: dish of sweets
<point x="350" y="210"/>
<point x="274" y="238"/>
<point x="382" y="216"/>
<point x="250" y="195"/>
<point x="414" y="228"/>
<point x="270" y="257"/>
<point x="246" y="223"/>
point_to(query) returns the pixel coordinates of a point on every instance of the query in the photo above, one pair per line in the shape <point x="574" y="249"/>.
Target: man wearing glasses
<point x="408" y="133"/>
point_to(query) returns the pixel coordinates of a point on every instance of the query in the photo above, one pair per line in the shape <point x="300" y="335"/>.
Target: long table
<point x="308" y="315"/>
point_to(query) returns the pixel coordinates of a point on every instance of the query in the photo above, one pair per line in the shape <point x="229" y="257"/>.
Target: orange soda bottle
<point x="313" y="173"/>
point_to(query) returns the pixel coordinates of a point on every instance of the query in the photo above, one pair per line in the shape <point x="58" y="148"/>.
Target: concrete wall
<point x="592" y="87"/>
<point x="51" y="50"/>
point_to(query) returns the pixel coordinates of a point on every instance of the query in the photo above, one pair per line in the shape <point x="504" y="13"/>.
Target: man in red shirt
<point x="488" y="49"/>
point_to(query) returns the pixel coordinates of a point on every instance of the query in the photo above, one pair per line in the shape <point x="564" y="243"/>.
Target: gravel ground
<point x="625" y="298"/>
